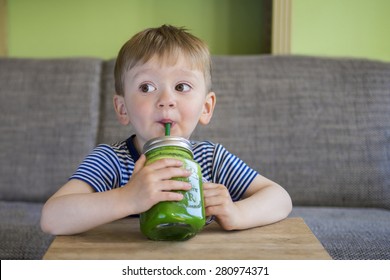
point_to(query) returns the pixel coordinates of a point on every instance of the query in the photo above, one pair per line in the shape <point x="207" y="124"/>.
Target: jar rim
<point x="164" y="141"/>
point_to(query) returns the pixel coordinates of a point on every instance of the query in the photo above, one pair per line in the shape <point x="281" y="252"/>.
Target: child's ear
<point x="208" y="108"/>
<point x="120" y="109"/>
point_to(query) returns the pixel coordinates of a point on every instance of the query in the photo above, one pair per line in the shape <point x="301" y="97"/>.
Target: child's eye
<point x="147" y="88"/>
<point x="182" y="87"/>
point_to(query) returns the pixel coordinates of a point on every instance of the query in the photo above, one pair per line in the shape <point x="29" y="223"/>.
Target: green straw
<point x="167" y="129"/>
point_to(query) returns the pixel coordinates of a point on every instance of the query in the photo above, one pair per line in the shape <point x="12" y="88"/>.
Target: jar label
<point x="193" y="196"/>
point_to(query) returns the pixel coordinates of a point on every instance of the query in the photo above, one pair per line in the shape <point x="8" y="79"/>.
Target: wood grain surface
<point x="122" y="239"/>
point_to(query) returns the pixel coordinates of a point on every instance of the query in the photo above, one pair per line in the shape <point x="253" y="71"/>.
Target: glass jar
<point x="175" y="220"/>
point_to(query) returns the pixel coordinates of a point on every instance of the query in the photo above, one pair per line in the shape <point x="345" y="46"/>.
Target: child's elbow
<point x="284" y="203"/>
<point x="47" y="226"/>
<point x="287" y="204"/>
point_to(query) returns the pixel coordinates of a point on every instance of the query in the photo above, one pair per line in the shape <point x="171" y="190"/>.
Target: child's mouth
<point x="164" y="126"/>
<point x="165" y="121"/>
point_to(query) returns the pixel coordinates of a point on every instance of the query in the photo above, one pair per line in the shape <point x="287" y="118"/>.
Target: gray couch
<point x="318" y="126"/>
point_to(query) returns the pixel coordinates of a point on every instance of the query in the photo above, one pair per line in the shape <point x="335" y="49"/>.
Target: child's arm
<point x="75" y="207"/>
<point x="264" y="202"/>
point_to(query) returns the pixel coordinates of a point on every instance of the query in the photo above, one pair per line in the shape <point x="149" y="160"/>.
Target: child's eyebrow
<point x="187" y="72"/>
<point x="142" y="72"/>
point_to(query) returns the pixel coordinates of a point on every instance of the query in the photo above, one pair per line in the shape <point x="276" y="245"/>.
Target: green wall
<point x="50" y="28"/>
<point x="350" y="28"/>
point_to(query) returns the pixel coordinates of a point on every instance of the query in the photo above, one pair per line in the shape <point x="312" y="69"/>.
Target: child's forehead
<point x="155" y="66"/>
<point x="169" y="59"/>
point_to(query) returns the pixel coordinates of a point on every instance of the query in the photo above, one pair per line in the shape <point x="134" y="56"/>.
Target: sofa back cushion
<point x="319" y="127"/>
<point x="110" y="130"/>
<point x="49" y="119"/>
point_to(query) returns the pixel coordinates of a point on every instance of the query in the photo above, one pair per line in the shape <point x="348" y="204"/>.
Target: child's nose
<point x="166" y="100"/>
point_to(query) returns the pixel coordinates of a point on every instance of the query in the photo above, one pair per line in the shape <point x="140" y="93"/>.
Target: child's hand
<point x="152" y="183"/>
<point x="219" y="203"/>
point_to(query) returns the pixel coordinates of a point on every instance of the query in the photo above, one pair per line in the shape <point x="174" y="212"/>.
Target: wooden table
<point x="288" y="239"/>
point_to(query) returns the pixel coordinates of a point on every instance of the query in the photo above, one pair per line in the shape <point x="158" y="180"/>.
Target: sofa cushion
<point x="20" y="234"/>
<point x="318" y="126"/>
<point x="349" y="233"/>
<point x="110" y="130"/>
<point x="49" y="119"/>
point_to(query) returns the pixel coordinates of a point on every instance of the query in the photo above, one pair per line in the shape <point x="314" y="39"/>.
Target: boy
<point x="162" y="75"/>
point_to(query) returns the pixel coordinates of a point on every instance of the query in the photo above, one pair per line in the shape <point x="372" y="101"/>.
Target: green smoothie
<point x="175" y="220"/>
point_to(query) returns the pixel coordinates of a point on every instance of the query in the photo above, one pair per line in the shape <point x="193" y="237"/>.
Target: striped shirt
<point x="111" y="166"/>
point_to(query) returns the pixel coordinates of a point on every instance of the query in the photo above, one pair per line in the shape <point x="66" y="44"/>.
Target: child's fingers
<point x="171" y="172"/>
<point x="208" y="186"/>
<point x="214" y="200"/>
<point x="173" y="185"/>
<point x="157" y="165"/>
<point x="165" y="162"/>
<point x="210" y="190"/>
<point x="171" y="196"/>
<point x="166" y="191"/>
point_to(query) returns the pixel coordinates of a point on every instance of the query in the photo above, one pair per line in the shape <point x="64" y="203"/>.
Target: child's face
<point x="157" y="93"/>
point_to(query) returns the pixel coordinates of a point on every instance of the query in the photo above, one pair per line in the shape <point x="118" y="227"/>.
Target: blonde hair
<point x="167" y="42"/>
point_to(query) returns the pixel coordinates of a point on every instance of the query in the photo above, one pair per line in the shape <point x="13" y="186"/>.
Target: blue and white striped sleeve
<point x="100" y="169"/>
<point x="231" y="172"/>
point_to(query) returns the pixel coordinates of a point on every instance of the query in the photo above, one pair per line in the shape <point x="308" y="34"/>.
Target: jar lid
<point x="167" y="141"/>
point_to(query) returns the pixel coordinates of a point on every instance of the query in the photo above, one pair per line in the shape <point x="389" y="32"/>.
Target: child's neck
<point x="136" y="145"/>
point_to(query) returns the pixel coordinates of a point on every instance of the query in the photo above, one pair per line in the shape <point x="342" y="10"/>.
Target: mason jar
<point x="175" y="220"/>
